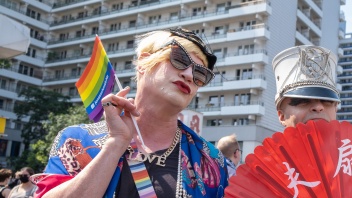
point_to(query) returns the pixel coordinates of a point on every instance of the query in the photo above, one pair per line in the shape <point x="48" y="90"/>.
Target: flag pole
<point x="133" y="118"/>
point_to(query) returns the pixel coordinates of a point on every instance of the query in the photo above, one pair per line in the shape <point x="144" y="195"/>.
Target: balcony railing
<point x="36" y="73"/>
<point x="190" y="16"/>
<point x="56" y="58"/>
<point x="217" y="107"/>
<point x="246" y="52"/>
<point x="216" y="83"/>
<point x="13" y="6"/>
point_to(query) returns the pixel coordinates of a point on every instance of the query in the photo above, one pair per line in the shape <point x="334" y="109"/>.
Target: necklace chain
<point x="142" y="157"/>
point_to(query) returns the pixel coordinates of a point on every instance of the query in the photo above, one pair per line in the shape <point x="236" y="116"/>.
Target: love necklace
<point x="142" y="157"/>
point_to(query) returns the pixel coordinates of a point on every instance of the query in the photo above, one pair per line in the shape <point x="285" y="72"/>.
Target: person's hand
<point x="120" y="127"/>
<point x="290" y="122"/>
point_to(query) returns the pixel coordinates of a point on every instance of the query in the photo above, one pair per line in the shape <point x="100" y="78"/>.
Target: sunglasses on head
<point x="194" y="38"/>
<point x="180" y="59"/>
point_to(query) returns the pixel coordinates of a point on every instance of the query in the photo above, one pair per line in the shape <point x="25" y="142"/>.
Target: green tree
<point x="5" y="63"/>
<point x="37" y="156"/>
<point x="38" y="104"/>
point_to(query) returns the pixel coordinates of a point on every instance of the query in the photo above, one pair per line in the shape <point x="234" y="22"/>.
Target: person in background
<point x="306" y="85"/>
<point x="15" y="181"/>
<point x="108" y="157"/>
<point x="229" y="146"/>
<point x="5" y="177"/>
<point x="26" y="188"/>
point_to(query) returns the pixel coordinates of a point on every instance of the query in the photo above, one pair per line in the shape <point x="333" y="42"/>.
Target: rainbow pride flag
<point x="96" y="81"/>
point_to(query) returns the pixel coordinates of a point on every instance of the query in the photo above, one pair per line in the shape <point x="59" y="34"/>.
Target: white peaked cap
<point x="305" y="72"/>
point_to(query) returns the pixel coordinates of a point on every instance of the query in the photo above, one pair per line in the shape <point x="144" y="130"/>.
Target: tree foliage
<point x="37" y="157"/>
<point x="5" y="63"/>
<point x="38" y="104"/>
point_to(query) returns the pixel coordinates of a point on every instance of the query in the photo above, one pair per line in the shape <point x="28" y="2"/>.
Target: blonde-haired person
<point x="229" y="146"/>
<point x="26" y="188"/>
<point x="170" y="67"/>
<point x="5" y="176"/>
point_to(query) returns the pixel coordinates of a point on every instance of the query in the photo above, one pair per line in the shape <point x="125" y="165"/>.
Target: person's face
<point x="176" y="84"/>
<point x="238" y="155"/>
<point x="295" y="110"/>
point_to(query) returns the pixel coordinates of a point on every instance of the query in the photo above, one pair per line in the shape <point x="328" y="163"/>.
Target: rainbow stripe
<point x="96" y="81"/>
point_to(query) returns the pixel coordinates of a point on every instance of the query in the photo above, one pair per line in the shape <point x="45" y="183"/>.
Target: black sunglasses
<point x="194" y="38"/>
<point x="180" y="59"/>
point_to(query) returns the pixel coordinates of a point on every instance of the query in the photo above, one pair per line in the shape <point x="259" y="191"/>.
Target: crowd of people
<point x="111" y="158"/>
<point x="16" y="185"/>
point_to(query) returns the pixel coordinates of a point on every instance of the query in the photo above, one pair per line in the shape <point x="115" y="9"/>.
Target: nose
<point x="317" y="106"/>
<point x="187" y="74"/>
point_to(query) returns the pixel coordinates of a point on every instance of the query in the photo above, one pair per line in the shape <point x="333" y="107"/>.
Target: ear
<point x="143" y="55"/>
<point x="140" y="69"/>
<point x="281" y="116"/>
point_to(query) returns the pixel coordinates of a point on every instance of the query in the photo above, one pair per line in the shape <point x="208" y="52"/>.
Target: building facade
<point x="345" y="79"/>
<point x="245" y="35"/>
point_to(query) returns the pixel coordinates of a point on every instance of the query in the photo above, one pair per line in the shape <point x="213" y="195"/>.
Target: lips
<point x="183" y="87"/>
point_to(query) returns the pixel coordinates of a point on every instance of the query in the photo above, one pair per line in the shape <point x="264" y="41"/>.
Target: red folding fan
<point x="310" y="160"/>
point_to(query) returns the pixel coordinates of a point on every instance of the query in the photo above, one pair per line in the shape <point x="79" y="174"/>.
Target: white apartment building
<point x="244" y="34"/>
<point x="345" y="79"/>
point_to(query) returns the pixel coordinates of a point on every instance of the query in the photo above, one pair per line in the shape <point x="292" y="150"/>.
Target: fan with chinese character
<point x="309" y="160"/>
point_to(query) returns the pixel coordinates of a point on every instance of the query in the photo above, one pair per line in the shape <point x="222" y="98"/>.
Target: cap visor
<point x="313" y="93"/>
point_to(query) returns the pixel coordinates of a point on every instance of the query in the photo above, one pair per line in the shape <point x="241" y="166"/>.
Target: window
<point x="240" y="121"/>
<point x="216" y="101"/>
<point x="95" y="30"/>
<point x="237" y="100"/>
<point x="246" y="49"/>
<point x="245" y="99"/>
<point x="132" y="24"/>
<point x="128" y="65"/>
<point x="3" y="147"/>
<point x="246" y="74"/>
<point x="220" y="7"/>
<point x="75" y="72"/>
<point x="214" y="122"/>
<point x="72" y="91"/>
<point x="1" y="103"/>
<point x="15" y="148"/>
<point x="219" y="30"/>
<point x="130" y="44"/>
<point x="3" y="84"/>
<point x="154" y="19"/>
<point x="174" y="16"/>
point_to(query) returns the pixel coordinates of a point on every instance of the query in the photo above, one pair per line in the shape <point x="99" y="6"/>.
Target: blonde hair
<point x="152" y="42"/>
<point x="228" y="145"/>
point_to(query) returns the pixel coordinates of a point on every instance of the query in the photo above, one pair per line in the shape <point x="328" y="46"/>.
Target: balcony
<point x="56" y="60"/>
<point x="340" y="52"/>
<point x="339" y="70"/>
<point x="230" y="109"/>
<point x="249" y="32"/>
<point x="14" y="11"/>
<point x="184" y="20"/>
<point x="253" y="82"/>
<point x="303" y="38"/>
<point x="341" y="34"/>
<point x="309" y="23"/>
<point x="246" y="56"/>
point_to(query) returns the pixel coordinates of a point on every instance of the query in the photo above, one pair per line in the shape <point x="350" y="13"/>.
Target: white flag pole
<point x="133" y="118"/>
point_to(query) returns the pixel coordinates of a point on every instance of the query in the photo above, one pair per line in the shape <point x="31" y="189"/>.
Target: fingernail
<point x="127" y="87"/>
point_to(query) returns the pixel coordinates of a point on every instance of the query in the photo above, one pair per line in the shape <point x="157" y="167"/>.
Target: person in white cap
<point x="306" y="88"/>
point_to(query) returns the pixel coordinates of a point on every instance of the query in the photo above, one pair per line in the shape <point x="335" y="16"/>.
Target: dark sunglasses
<point x="194" y="38"/>
<point x="180" y="59"/>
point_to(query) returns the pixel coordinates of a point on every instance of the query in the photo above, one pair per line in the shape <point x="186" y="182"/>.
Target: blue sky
<point x="347" y="9"/>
